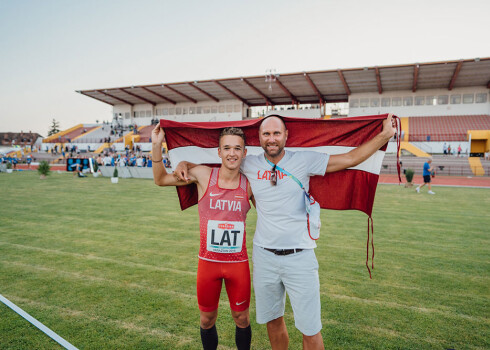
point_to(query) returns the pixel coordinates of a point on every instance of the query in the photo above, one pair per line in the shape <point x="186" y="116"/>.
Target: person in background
<point x="427" y="174"/>
<point x="29" y="161"/>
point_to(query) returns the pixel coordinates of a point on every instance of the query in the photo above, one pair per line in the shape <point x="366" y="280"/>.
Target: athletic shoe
<point x="430" y="192"/>
<point x="418" y="190"/>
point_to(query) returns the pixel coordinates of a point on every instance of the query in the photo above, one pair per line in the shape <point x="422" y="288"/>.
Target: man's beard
<point x="277" y="151"/>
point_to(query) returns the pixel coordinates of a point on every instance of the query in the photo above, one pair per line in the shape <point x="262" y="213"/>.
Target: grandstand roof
<point x="306" y="87"/>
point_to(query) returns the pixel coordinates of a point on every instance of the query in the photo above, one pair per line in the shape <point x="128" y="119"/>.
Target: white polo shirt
<point x="281" y="212"/>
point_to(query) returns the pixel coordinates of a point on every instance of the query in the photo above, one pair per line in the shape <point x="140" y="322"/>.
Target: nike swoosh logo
<point x="213" y="194"/>
<point x="240" y="303"/>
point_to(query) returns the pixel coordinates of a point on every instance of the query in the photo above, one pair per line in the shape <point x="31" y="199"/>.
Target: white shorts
<point x="295" y="274"/>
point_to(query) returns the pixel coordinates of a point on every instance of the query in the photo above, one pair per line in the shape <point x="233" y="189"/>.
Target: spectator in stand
<point x="121" y="162"/>
<point x="99" y="160"/>
<point x="139" y="162"/>
<point x="107" y="160"/>
<point x="426" y="174"/>
<point x="132" y="160"/>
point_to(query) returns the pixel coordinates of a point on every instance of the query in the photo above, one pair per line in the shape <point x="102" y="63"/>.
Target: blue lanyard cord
<point x="287" y="173"/>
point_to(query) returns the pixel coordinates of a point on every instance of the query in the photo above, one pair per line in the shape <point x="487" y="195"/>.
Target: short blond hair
<point x="234" y="132"/>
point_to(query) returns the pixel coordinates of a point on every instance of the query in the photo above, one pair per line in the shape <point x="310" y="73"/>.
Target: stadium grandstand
<point x="440" y="104"/>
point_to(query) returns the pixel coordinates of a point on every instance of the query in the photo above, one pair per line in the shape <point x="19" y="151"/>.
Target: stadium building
<point x="438" y="103"/>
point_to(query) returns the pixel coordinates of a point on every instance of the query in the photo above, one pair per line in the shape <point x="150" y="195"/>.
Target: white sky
<point x="49" y="49"/>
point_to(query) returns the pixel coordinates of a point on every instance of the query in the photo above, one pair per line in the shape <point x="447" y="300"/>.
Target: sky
<point x="49" y="49"/>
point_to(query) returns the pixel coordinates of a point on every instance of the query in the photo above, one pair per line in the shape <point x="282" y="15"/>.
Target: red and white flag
<point x="353" y="188"/>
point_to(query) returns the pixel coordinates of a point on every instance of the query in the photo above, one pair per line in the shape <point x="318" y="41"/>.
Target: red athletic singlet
<point x="222" y="214"/>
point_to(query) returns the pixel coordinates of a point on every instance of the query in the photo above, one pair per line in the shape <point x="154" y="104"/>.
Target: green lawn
<point x="113" y="267"/>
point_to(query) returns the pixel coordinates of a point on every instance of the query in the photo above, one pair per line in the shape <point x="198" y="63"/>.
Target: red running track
<point x="457" y="181"/>
<point x="34" y="167"/>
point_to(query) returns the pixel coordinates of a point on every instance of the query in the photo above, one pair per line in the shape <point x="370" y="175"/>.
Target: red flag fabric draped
<point x="353" y="188"/>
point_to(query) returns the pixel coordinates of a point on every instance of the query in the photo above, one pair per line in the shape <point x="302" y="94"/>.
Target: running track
<point x="454" y="181"/>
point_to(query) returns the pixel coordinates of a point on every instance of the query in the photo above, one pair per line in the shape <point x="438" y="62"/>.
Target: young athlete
<point x="224" y="195"/>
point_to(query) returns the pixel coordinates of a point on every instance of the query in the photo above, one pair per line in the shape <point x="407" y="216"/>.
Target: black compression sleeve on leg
<point x="243" y="338"/>
<point x="209" y="338"/>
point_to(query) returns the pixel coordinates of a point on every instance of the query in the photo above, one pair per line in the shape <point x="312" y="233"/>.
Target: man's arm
<point x="360" y="154"/>
<point x="182" y="170"/>
<point x="160" y="175"/>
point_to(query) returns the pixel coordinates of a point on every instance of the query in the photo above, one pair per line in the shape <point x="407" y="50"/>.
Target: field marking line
<point x="85" y="277"/>
<point x="102" y="280"/>
<point x="94" y="257"/>
<point x="391" y="304"/>
<point x="161" y="334"/>
<point x="38" y="324"/>
<point x="400" y="286"/>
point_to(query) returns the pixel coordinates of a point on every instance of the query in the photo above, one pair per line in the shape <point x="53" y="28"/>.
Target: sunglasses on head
<point x="273" y="176"/>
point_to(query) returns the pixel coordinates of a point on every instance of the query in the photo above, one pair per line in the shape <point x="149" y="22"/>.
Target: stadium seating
<point x="145" y="133"/>
<point x="70" y="135"/>
<point x="446" y="128"/>
<point x="97" y="135"/>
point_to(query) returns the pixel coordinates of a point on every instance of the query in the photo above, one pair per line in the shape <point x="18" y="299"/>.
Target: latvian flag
<point x="353" y="188"/>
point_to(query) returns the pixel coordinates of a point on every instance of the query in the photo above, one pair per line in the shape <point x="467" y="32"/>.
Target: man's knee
<point x="241" y="318"/>
<point x="208" y="319"/>
<point x="277" y="325"/>
<point x="313" y="341"/>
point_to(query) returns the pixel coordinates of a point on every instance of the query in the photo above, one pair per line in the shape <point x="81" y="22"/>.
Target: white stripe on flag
<point x="199" y="155"/>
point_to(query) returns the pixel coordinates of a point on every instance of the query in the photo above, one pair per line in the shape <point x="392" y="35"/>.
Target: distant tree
<point x="54" y="128"/>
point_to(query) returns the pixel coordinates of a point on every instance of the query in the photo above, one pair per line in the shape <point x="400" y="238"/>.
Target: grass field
<point x="113" y="267"/>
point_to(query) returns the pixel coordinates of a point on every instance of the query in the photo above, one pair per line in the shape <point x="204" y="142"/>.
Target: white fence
<point x="127" y="172"/>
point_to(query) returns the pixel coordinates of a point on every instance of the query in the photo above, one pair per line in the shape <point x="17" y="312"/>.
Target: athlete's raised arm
<point x="360" y="154"/>
<point x="198" y="174"/>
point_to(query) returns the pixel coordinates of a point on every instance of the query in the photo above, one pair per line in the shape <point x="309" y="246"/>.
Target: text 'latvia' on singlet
<point x="222" y="215"/>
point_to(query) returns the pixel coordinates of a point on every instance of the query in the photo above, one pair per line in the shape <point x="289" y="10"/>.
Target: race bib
<point x="225" y="236"/>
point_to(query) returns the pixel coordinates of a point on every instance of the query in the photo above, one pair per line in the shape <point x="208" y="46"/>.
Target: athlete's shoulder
<point x="201" y="173"/>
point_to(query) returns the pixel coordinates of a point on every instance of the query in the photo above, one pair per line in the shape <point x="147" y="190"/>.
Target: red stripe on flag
<point x="347" y="189"/>
<point x="302" y="132"/>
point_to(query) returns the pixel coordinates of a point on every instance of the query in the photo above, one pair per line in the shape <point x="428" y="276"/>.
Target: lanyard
<point x="285" y="172"/>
